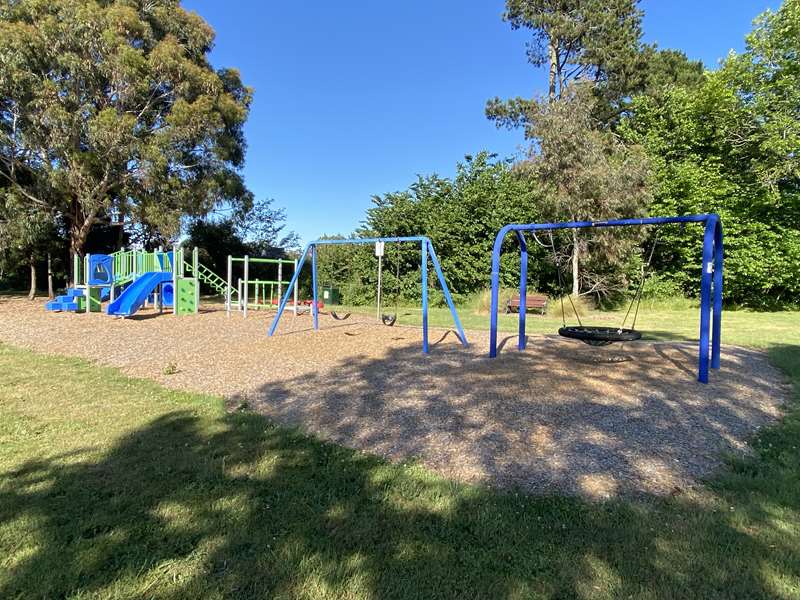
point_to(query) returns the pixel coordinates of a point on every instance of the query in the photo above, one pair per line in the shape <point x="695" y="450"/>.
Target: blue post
<point x="523" y="289"/>
<point x="705" y="300"/>
<point x="424" y="265"/>
<point x="498" y="246"/>
<point x="288" y="293"/>
<point x="314" y="305"/>
<point x="448" y="298"/>
<point x="716" y="337"/>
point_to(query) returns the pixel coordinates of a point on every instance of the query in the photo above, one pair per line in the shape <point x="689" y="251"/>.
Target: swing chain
<point x="637" y="297"/>
<point x="561" y="282"/>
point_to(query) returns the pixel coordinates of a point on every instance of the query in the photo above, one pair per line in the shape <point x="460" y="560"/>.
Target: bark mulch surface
<point x="560" y="417"/>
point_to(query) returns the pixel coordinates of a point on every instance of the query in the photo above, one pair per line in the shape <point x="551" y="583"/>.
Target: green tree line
<point x="625" y="130"/>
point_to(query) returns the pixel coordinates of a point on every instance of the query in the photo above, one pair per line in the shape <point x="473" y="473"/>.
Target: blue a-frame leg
<point x="424" y="269"/>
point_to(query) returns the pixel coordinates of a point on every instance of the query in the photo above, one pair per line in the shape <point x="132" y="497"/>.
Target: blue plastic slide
<point x="131" y="300"/>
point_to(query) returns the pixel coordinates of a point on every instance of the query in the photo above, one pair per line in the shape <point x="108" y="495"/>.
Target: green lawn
<point x="741" y="328"/>
<point x="118" y="488"/>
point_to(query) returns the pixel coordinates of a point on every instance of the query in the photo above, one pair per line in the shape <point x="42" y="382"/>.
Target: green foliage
<point x="660" y="287"/>
<point x="216" y="240"/>
<point x="27" y="235"/>
<point x="577" y="40"/>
<point x="262" y="227"/>
<point x="586" y="173"/>
<point x="461" y="216"/>
<point x="253" y="230"/>
<point x="112" y="108"/>
<point x="662" y="70"/>
<point x="766" y="78"/>
<point x="596" y="42"/>
<point x="729" y="146"/>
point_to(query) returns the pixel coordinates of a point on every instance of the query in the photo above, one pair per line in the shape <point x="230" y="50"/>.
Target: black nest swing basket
<point x="599" y="336"/>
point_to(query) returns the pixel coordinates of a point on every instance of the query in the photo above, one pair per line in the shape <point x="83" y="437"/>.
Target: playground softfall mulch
<point x="560" y="417"/>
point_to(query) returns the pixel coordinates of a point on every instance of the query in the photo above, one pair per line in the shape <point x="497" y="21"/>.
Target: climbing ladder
<point x="217" y="283"/>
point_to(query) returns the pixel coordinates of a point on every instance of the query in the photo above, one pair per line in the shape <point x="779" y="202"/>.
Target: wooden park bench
<point x="532" y="302"/>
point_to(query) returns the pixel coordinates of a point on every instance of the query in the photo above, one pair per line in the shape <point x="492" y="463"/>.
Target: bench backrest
<point x="532" y="300"/>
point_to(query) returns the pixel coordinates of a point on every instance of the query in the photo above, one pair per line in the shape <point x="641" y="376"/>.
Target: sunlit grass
<point x="739" y="327"/>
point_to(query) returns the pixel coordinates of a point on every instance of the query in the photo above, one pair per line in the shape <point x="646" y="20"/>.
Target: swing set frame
<point x="426" y="252"/>
<point x="710" y="279"/>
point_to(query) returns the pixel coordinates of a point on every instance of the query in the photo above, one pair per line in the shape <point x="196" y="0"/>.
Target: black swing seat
<point x="599" y="336"/>
<point x="389" y="319"/>
<point x="339" y="317"/>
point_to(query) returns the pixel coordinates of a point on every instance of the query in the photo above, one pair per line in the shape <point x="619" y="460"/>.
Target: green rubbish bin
<point x="330" y="295"/>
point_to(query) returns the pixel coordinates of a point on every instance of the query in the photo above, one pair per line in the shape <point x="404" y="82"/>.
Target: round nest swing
<point x="599" y="336"/>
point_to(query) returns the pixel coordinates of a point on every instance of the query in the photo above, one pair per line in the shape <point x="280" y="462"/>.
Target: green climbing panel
<point x="187" y="300"/>
<point x="95" y="304"/>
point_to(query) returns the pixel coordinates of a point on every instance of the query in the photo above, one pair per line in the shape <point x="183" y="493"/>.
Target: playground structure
<point x="252" y="293"/>
<point x="131" y="279"/>
<point x="710" y="285"/>
<point x="426" y="252"/>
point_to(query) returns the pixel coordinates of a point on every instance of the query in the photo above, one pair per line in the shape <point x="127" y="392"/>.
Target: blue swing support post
<point x="710" y="279"/>
<point x="426" y="253"/>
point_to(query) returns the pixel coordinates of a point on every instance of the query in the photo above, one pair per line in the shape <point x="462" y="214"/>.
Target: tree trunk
<point x="78" y="232"/>
<point x="576" y="252"/>
<point x="50" y="293"/>
<point x="32" y="263"/>
<point x="121" y="229"/>
<point x="552" y="50"/>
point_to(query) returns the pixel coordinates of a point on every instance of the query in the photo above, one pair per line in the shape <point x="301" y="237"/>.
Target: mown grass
<point x="656" y="321"/>
<point x="118" y="488"/>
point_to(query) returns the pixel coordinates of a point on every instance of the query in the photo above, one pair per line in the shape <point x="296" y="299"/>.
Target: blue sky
<point x="356" y="98"/>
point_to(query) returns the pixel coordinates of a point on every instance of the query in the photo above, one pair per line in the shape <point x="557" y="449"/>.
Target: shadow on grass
<point x="667" y="336"/>
<point x="234" y="507"/>
<point x="261" y="512"/>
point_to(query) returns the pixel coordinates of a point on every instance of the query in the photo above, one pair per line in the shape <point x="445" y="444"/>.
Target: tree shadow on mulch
<point x="265" y="512"/>
<point x="557" y="417"/>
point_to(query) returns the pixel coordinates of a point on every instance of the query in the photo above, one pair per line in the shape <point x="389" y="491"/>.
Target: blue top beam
<point x="611" y="223"/>
<point x="415" y="238"/>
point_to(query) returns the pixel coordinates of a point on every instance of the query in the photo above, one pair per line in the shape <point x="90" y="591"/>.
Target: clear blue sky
<point x="356" y="98"/>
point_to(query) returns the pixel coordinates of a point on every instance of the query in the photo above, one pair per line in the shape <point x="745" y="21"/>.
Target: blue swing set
<point x="710" y="285"/>
<point x="426" y="252"/>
